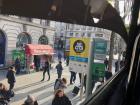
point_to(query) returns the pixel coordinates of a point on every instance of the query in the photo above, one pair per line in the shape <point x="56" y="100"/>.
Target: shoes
<point x="48" y="80"/>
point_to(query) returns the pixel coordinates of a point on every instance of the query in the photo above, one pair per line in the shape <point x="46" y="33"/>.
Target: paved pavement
<point x="43" y="91"/>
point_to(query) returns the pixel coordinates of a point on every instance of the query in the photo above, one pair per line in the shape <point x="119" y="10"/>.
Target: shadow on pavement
<point x="30" y="85"/>
<point x="21" y="96"/>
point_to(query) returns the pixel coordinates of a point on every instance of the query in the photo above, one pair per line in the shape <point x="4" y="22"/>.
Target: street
<point x="43" y="91"/>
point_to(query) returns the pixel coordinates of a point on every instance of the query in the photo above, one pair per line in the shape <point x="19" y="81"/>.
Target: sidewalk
<point x="43" y="91"/>
<point x="26" y="79"/>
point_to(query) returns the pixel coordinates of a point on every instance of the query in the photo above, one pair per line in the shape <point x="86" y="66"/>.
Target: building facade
<point x="16" y="32"/>
<point x="65" y="31"/>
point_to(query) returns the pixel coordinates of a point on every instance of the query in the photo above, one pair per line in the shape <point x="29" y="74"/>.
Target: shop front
<point x="37" y="55"/>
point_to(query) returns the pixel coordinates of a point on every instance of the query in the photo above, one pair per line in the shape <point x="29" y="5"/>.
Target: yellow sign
<point x="79" y="47"/>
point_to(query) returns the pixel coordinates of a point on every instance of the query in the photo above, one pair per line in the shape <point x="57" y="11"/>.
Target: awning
<point x="35" y="49"/>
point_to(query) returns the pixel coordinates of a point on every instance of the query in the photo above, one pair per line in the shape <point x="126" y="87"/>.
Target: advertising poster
<point x="79" y="49"/>
<point x="79" y="52"/>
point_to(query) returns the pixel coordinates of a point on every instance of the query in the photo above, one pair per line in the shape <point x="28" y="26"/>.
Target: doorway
<point x="2" y="48"/>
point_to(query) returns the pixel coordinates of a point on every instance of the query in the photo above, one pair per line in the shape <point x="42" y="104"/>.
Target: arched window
<point x="43" y="40"/>
<point x="2" y="48"/>
<point x="23" y="39"/>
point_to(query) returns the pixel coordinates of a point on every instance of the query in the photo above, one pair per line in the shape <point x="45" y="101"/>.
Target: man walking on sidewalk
<point x="11" y="77"/>
<point x="59" y="69"/>
<point x="17" y="65"/>
<point x="73" y="77"/>
<point x="46" y="69"/>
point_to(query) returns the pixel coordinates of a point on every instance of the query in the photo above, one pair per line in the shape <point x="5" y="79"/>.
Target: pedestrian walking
<point x="59" y="69"/>
<point x="80" y="77"/>
<point x="37" y="62"/>
<point x="46" y="69"/>
<point x="4" y="95"/>
<point x="59" y="56"/>
<point x="60" y="84"/>
<point x="73" y="77"/>
<point x="17" y="65"/>
<point x="108" y="74"/>
<point x="30" y="101"/>
<point x="85" y="78"/>
<point x="106" y="63"/>
<point x="11" y="77"/>
<point x="67" y="61"/>
<point x="116" y="66"/>
<point x="61" y="99"/>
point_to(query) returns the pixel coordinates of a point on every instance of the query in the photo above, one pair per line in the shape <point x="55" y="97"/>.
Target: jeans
<point x="59" y="74"/>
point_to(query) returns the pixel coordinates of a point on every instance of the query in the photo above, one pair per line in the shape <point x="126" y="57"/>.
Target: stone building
<point x="15" y="32"/>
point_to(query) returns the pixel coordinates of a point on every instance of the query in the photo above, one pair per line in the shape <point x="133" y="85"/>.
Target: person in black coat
<point x="46" y="69"/>
<point x="108" y="75"/>
<point x="59" y="69"/>
<point x="67" y="61"/>
<point x="61" y="99"/>
<point x="11" y="77"/>
<point x="17" y="65"/>
<point x="73" y="77"/>
<point x="106" y="63"/>
<point x="116" y="66"/>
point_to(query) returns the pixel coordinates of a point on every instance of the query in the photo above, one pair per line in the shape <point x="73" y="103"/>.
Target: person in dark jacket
<point x="59" y="69"/>
<point x="59" y="56"/>
<point x="4" y="95"/>
<point x="67" y="61"/>
<point x="11" y="77"/>
<point x="106" y="63"/>
<point x="108" y="75"/>
<point x="46" y="69"/>
<point x="116" y="66"/>
<point x="61" y="99"/>
<point x="73" y="77"/>
<point x="17" y="65"/>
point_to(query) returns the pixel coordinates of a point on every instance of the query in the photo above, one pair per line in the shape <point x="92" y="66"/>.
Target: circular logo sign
<point x="79" y="46"/>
